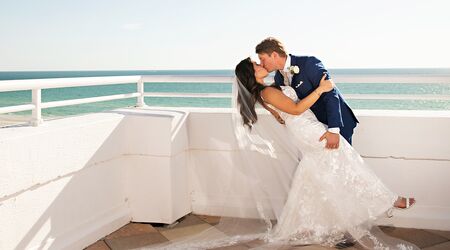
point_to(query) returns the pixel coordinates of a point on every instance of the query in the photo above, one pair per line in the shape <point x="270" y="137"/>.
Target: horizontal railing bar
<point x="15" y="85"/>
<point x="337" y="78"/>
<point x="177" y="94"/>
<point x="397" y="97"/>
<point x="416" y="79"/>
<point x="88" y="100"/>
<point x="347" y="96"/>
<point x="189" y="78"/>
<point x="17" y="108"/>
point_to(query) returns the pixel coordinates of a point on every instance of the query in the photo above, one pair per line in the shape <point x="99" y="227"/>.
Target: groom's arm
<point x="315" y="71"/>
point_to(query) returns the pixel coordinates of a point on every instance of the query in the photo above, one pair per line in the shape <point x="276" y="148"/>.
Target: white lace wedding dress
<point x="333" y="191"/>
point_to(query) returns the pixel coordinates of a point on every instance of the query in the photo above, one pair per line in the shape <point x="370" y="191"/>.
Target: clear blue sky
<point x="215" y="34"/>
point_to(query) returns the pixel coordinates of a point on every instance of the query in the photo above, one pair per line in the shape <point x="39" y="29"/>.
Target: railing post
<point x="37" y="112"/>
<point x="140" y="90"/>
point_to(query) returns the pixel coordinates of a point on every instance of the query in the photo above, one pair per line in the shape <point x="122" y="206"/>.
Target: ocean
<point x="23" y="97"/>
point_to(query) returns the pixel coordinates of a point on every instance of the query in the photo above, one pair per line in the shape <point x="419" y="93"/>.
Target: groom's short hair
<point x="270" y="45"/>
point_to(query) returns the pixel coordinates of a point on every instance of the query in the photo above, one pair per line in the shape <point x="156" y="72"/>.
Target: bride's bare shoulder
<point x="270" y="91"/>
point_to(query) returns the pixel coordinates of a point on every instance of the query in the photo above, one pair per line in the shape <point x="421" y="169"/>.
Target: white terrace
<point x="68" y="182"/>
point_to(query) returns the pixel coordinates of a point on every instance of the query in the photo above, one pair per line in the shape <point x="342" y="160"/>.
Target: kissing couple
<point x="295" y="178"/>
<point x="334" y="197"/>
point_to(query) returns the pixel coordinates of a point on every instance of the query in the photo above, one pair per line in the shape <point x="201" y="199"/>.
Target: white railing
<point x="36" y="85"/>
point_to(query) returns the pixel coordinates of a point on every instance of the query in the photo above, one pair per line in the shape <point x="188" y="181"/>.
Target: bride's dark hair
<point x="245" y="74"/>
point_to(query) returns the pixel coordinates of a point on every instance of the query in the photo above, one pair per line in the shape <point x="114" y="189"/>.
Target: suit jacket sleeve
<point x="314" y="71"/>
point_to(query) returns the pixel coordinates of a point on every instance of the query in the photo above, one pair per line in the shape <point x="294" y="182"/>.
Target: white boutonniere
<point x="294" y="69"/>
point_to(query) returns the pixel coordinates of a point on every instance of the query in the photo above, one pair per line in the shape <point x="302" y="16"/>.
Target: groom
<point x="303" y="73"/>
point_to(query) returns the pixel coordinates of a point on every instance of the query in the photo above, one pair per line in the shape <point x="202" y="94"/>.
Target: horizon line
<point x="338" y="68"/>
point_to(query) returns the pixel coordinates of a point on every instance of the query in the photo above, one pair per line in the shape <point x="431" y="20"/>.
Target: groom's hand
<point x="332" y="140"/>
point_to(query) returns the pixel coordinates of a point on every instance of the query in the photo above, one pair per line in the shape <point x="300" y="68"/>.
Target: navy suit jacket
<point x="331" y="108"/>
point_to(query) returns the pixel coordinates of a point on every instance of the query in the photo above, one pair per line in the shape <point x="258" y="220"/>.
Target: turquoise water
<point x="22" y="97"/>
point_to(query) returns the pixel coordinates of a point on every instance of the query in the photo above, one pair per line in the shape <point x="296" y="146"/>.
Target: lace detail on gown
<point x="333" y="192"/>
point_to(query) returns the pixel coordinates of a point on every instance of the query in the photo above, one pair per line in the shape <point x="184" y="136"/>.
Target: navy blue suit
<point x="331" y="108"/>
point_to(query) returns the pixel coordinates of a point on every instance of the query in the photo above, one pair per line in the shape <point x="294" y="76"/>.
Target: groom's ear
<point x="274" y="55"/>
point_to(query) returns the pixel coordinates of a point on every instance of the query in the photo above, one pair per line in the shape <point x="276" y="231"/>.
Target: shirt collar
<point x="287" y="64"/>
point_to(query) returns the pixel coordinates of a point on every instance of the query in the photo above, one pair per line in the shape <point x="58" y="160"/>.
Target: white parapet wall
<point x="71" y="181"/>
<point x="408" y="150"/>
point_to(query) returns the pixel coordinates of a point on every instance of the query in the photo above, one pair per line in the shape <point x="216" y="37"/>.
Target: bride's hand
<point x="325" y="85"/>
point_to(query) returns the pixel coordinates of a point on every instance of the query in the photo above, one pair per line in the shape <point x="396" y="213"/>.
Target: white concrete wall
<point x="408" y="150"/>
<point x="157" y="167"/>
<point x="71" y="181"/>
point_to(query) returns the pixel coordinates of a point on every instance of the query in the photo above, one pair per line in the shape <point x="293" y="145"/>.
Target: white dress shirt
<point x="286" y="73"/>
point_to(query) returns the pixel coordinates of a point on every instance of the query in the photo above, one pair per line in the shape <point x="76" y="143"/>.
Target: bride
<point x="333" y="192"/>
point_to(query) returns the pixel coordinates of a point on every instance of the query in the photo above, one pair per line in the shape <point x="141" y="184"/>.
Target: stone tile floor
<point x="134" y="235"/>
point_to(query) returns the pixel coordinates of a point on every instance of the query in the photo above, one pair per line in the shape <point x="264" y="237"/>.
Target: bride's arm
<point x="285" y="104"/>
